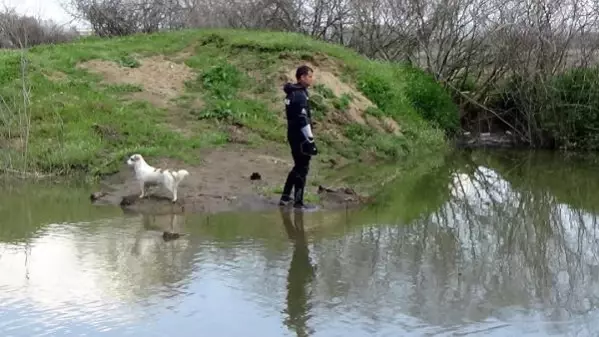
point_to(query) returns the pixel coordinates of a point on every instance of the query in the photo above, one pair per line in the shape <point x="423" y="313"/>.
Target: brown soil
<point x="186" y="53"/>
<point x="17" y="143"/>
<point x="55" y="76"/>
<point x="390" y="125"/>
<point x="161" y="79"/>
<point x="221" y="183"/>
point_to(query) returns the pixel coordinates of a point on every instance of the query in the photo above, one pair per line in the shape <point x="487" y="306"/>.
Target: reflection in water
<point x="300" y="275"/>
<point x="522" y="247"/>
<point x="163" y="222"/>
<point x="497" y="251"/>
<point x="492" y="247"/>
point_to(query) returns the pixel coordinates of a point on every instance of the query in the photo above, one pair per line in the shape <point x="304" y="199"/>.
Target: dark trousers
<point x="296" y="179"/>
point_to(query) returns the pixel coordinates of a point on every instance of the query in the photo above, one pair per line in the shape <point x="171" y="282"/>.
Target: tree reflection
<point x="498" y="248"/>
<point x="461" y="250"/>
<point x="299" y="277"/>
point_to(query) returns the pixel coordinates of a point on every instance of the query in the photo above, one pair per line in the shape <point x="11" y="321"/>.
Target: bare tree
<point x="124" y="17"/>
<point x="21" y="31"/>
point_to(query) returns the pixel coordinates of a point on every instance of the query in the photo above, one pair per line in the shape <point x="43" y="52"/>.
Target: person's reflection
<point x="301" y="273"/>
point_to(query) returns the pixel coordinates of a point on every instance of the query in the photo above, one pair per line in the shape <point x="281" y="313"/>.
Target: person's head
<point x="304" y="75"/>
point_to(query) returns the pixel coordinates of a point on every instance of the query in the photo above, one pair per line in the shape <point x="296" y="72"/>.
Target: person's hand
<point x="309" y="147"/>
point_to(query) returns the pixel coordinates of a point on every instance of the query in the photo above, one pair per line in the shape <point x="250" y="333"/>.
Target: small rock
<point x="169" y="236"/>
<point x="349" y="190"/>
<point x="322" y="189"/>
<point x="128" y="200"/>
<point x="255" y="176"/>
<point x="96" y="195"/>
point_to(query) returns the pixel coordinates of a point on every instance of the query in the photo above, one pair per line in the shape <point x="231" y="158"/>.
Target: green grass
<point x="235" y="76"/>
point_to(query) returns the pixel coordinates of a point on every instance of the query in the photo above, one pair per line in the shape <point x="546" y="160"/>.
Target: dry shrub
<point x="22" y="31"/>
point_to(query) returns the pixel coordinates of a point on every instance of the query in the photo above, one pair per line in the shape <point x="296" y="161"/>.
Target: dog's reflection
<point x="172" y="223"/>
<point x="300" y="275"/>
<point x="169" y="224"/>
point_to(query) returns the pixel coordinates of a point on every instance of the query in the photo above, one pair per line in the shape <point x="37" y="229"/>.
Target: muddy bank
<point x="228" y="180"/>
<point x="204" y="203"/>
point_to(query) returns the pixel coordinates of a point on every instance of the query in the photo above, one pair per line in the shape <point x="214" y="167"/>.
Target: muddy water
<point x="488" y="244"/>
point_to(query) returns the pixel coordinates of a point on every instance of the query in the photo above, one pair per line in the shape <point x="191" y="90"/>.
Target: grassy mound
<point x="92" y="102"/>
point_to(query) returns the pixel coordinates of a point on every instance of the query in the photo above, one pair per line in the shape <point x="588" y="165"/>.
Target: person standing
<point x="299" y="136"/>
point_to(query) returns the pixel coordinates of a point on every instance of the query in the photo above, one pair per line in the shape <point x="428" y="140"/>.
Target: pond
<point x="494" y="244"/>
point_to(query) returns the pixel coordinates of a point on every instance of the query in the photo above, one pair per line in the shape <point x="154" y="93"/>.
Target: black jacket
<point x="297" y="109"/>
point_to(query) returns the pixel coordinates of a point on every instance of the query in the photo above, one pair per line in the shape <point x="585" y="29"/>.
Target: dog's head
<point x="134" y="159"/>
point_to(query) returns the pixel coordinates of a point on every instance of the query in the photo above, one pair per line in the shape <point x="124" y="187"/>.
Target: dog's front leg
<point x="174" y="193"/>
<point x="142" y="186"/>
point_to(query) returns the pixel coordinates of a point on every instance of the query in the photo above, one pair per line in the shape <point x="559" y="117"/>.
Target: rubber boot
<point x="286" y="195"/>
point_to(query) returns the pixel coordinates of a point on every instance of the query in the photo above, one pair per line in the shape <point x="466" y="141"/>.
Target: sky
<point x="46" y="9"/>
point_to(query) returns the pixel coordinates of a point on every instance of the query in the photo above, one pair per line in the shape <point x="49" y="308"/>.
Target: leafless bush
<point x="124" y="17"/>
<point x="21" y="31"/>
<point x="453" y="39"/>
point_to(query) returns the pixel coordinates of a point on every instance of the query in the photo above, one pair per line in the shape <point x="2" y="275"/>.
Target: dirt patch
<point x="237" y="135"/>
<point x="186" y="53"/>
<point x="17" y="143"/>
<point x="374" y="123"/>
<point x="160" y="78"/>
<point x="344" y="195"/>
<point x="318" y="59"/>
<point x="221" y="183"/>
<point x="391" y="125"/>
<point x="159" y="101"/>
<point x="55" y="76"/>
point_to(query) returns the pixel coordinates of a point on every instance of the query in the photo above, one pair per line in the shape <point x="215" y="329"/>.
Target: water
<point x="487" y="245"/>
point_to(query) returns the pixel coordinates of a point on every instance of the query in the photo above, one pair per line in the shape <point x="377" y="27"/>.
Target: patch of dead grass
<point x="55" y="76"/>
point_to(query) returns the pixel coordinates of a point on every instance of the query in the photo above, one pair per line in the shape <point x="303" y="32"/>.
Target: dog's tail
<point x="179" y="175"/>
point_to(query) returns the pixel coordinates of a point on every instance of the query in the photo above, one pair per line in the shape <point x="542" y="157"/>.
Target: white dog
<point x="147" y="174"/>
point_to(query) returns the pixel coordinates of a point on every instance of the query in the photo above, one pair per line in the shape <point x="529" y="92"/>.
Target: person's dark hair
<point x="301" y="71"/>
